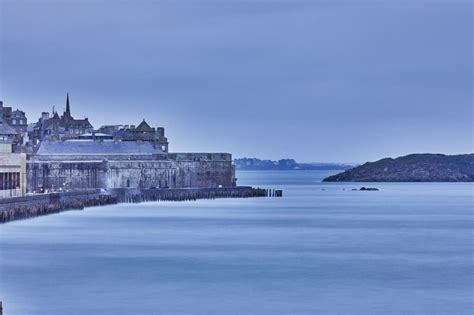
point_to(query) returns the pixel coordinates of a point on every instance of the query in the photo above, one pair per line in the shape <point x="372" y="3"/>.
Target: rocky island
<point x="412" y="168"/>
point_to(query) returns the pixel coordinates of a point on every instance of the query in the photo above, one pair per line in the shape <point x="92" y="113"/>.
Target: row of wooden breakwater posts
<point x="43" y="204"/>
<point x="190" y="194"/>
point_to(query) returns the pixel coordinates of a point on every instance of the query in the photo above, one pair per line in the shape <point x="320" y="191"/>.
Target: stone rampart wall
<point x="180" y="170"/>
<point x="54" y="175"/>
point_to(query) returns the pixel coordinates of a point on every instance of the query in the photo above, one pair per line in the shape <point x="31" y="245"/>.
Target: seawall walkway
<point x="42" y="204"/>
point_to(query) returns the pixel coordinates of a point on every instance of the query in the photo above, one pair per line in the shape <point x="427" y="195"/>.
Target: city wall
<point x="174" y="170"/>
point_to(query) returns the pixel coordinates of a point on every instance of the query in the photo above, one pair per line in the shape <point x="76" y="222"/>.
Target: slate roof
<point x="79" y="123"/>
<point x="144" y="127"/>
<point x="6" y="129"/>
<point x="91" y="147"/>
<point x="18" y="114"/>
<point x="65" y="123"/>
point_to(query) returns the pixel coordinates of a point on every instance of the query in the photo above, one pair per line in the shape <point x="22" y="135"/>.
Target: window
<point x="9" y="181"/>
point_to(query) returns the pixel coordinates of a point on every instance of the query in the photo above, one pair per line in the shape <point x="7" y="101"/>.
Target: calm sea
<point x="322" y="249"/>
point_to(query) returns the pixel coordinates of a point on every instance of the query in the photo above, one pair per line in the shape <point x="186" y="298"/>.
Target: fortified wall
<point x="89" y="164"/>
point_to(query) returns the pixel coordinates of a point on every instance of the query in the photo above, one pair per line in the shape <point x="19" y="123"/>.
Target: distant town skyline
<point x="311" y="80"/>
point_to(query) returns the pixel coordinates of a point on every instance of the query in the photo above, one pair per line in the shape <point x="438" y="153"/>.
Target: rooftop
<point x="5" y="128"/>
<point x="144" y="127"/>
<point x="91" y="147"/>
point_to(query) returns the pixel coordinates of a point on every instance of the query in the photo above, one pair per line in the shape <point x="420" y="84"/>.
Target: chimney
<point x="160" y="131"/>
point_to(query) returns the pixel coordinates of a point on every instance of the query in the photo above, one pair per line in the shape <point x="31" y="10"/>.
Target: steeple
<point x="68" y="107"/>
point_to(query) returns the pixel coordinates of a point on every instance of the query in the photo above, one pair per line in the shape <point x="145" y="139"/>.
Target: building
<point x="15" y="118"/>
<point x="12" y="165"/>
<point x="8" y="136"/>
<point x="143" y="132"/>
<point x="18" y="121"/>
<point x="57" y="127"/>
<point x="12" y="174"/>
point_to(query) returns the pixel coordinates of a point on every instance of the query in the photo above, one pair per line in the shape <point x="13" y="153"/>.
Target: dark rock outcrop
<point x="368" y="189"/>
<point x="412" y="168"/>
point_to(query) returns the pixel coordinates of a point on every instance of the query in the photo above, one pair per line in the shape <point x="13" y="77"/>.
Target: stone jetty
<point x="36" y="205"/>
<point x="43" y="204"/>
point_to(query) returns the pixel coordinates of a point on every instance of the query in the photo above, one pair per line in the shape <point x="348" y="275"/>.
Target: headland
<point x="412" y="168"/>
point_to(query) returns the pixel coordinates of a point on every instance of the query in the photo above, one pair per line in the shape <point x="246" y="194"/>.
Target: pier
<point x="42" y="204"/>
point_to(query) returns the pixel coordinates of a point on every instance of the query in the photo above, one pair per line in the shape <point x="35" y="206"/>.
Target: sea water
<point x="321" y="249"/>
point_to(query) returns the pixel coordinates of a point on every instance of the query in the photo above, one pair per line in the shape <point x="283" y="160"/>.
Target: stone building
<point x="15" y="118"/>
<point x="18" y="121"/>
<point x="57" y="127"/>
<point x="85" y="164"/>
<point x="142" y="132"/>
<point x="5" y="112"/>
<point x="8" y="136"/>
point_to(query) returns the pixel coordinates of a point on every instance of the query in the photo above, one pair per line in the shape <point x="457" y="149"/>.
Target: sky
<point x="321" y="81"/>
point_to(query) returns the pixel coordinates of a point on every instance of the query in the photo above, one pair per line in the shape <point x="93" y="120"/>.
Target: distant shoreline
<point x="254" y="164"/>
<point x="288" y="170"/>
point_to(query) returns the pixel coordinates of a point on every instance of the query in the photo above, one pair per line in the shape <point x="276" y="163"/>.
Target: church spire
<point x="68" y="107"/>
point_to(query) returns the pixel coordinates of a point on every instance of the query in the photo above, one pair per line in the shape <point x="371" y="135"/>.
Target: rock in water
<point x="369" y="189"/>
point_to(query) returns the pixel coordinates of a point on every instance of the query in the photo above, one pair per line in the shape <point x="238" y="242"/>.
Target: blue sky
<point x="344" y="81"/>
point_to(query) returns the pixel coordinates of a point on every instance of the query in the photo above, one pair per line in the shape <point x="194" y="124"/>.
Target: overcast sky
<point x="344" y="81"/>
